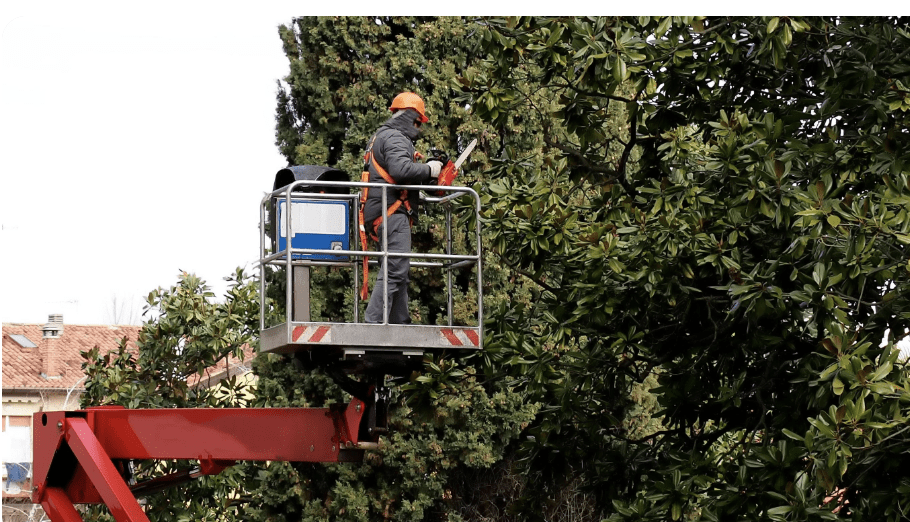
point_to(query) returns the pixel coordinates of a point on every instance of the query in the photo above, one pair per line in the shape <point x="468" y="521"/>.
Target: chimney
<point x="50" y="353"/>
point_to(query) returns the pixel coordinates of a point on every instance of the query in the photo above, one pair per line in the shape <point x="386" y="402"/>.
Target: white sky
<point x="136" y="140"/>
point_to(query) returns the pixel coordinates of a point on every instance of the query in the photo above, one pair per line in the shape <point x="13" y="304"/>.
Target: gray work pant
<point x="399" y="241"/>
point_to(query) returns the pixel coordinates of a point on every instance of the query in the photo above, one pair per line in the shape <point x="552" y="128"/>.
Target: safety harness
<point x="402" y="200"/>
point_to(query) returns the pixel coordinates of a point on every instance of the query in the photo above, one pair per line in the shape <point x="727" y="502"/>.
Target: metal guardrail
<point x="290" y="257"/>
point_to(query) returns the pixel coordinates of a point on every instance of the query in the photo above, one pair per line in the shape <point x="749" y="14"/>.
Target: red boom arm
<point x="76" y="454"/>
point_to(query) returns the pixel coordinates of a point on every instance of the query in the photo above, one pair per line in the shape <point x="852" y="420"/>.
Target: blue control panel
<point x="317" y="224"/>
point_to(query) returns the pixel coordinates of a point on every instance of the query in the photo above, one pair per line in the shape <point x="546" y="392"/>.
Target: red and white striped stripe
<point x="460" y="337"/>
<point x="312" y="334"/>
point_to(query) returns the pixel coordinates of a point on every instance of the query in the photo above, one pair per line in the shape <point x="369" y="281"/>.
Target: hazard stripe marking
<point x="460" y="337"/>
<point x="312" y="334"/>
<point x="320" y="333"/>
<point x="451" y="337"/>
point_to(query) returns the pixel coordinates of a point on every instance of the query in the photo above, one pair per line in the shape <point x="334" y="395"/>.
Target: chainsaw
<point x="450" y="170"/>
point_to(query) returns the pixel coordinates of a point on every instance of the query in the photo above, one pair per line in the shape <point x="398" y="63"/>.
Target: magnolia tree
<point x="741" y="237"/>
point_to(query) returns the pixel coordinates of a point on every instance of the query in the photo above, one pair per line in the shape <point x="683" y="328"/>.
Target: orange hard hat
<point x="409" y="100"/>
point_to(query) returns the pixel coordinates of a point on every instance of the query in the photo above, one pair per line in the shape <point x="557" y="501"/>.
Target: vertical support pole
<point x="102" y="473"/>
<point x="262" y="254"/>
<point x="448" y="207"/>
<point x="301" y="294"/>
<point x="385" y="256"/>
<point x="355" y="218"/>
<point x="59" y="507"/>
<point x="288" y="263"/>
<point x="479" y="266"/>
<point x="356" y="270"/>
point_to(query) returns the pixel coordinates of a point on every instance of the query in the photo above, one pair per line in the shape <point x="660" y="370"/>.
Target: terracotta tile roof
<point x="22" y="367"/>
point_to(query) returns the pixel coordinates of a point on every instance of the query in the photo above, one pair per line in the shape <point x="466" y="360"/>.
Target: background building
<point x="42" y="371"/>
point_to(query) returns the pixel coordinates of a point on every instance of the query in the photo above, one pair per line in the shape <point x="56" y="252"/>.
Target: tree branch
<point x="627" y="150"/>
<point x="522" y="272"/>
<point x="581" y="158"/>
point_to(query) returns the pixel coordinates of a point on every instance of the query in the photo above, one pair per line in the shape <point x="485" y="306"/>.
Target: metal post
<point x="301" y="294"/>
<point x="356" y="293"/>
<point x="479" y="267"/>
<point x="262" y="270"/>
<point x="448" y="207"/>
<point x="385" y="257"/>
<point x="355" y="218"/>
<point x="289" y="247"/>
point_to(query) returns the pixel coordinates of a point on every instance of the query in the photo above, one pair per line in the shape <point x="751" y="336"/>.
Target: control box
<point x="317" y="224"/>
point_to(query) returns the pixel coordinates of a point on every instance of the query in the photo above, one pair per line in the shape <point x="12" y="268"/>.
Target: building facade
<point x="42" y="371"/>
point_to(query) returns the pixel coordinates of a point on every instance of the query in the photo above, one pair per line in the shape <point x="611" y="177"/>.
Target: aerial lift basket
<point x="322" y="223"/>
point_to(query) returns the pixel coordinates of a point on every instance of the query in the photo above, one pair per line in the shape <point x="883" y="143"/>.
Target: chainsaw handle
<point x="438" y="155"/>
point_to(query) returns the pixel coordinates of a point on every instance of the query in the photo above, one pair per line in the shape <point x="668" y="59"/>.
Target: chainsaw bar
<point x="464" y="155"/>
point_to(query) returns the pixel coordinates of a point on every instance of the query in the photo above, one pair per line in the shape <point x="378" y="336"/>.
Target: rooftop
<point x="22" y="364"/>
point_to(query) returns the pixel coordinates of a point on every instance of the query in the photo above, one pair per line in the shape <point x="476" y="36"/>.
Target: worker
<point x="391" y="158"/>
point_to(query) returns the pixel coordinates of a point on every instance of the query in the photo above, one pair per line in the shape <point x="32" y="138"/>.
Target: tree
<point x="741" y="238"/>
<point x="440" y="428"/>
<point x="189" y="332"/>
<point x="441" y="425"/>
<point x="344" y="72"/>
<point x="448" y="421"/>
<point x="121" y="311"/>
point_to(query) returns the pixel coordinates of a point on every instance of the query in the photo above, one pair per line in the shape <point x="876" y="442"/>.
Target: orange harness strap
<point x="402" y="200"/>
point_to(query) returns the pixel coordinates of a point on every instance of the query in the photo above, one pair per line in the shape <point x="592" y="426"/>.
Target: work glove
<point x="435" y="168"/>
